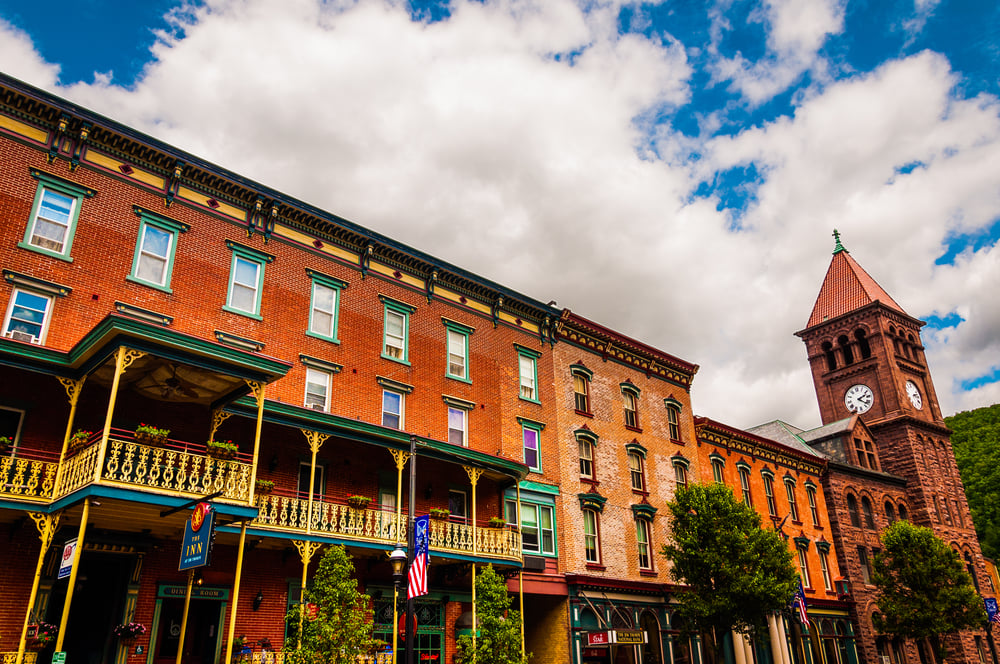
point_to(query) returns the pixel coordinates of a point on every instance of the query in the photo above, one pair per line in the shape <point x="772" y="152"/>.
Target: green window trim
<point x="579" y="369"/>
<point x="802" y="543"/>
<point x="823" y="546"/>
<point x="62" y="187"/>
<point x="250" y="255"/>
<point x="170" y="226"/>
<point x="634" y="446"/>
<point x="401" y="309"/>
<point x="539" y="503"/>
<point x="394" y="385"/>
<point x="678" y="460"/>
<point x="321" y="365"/>
<point x="455" y="402"/>
<point x="592" y="501"/>
<point x="465" y="332"/>
<point x="34" y="283"/>
<point x="671" y="402"/>
<point x="337" y="286"/>
<point x="536" y="427"/>
<point x="585" y="433"/>
<point x="767" y="472"/>
<point x="628" y="386"/>
<point x="643" y="511"/>
<point x="532" y="356"/>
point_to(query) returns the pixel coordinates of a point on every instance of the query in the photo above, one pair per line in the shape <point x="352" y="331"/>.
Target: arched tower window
<point x="863" y="346"/>
<point x="845" y="348"/>
<point x="831" y="357"/>
<point x="972" y="570"/>
<point x="890" y="512"/>
<point x="866" y="509"/>
<point x="852" y="510"/>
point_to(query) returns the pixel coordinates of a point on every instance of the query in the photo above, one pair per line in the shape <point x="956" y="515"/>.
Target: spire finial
<point x="839" y="247"/>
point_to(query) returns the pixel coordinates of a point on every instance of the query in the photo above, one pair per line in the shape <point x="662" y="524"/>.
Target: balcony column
<point x="73" y="389"/>
<point x="520" y="571"/>
<point x="46" y="524"/>
<point x="236" y="593"/>
<point x="474" y="475"/>
<point x="124" y="357"/>
<point x="72" y="575"/>
<point x="258" y="393"/>
<point x="306" y="548"/>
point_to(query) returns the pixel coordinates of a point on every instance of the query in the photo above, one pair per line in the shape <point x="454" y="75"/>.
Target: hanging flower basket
<point x="358" y="502"/>
<point x="146" y="434"/>
<point x="496" y="522"/>
<point x="79" y="440"/>
<point x="222" y="449"/>
<point x="129" y="631"/>
<point x="41" y="635"/>
<point x="439" y="514"/>
<point x="5" y="444"/>
<point x="264" y="486"/>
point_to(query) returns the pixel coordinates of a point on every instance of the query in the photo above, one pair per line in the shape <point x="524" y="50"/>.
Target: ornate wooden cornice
<point x="734" y="440"/>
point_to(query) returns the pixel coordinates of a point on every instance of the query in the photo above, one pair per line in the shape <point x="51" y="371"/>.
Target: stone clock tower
<point x="867" y="360"/>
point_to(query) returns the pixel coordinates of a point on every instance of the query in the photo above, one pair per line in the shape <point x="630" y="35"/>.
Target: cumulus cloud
<point x="19" y="58"/>
<point x="504" y="139"/>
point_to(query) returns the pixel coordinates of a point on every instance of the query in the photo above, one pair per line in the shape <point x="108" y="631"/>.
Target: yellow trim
<point x="511" y="319"/>
<point x="22" y="129"/>
<point x="329" y="248"/>
<point x="389" y="271"/>
<point x="472" y="303"/>
<point x="202" y="199"/>
<point x="77" y="553"/>
<point x="104" y="160"/>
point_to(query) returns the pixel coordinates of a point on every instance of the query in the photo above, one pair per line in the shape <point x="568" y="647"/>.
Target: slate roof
<point x="788" y="435"/>
<point x="847" y="287"/>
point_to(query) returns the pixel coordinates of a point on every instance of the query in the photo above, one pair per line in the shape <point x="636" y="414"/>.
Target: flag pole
<point x="411" y="550"/>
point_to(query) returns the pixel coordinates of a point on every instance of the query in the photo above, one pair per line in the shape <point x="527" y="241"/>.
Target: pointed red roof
<point x="847" y="287"/>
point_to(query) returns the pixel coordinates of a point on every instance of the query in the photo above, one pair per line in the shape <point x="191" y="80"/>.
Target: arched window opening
<point x="904" y="515"/>
<point x="852" y="510"/>
<point x="831" y="357"/>
<point x="651" y="653"/>
<point x="845" y="348"/>
<point x="866" y="508"/>
<point x="971" y="568"/>
<point x="864" y="348"/>
<point x="890" y="513"/>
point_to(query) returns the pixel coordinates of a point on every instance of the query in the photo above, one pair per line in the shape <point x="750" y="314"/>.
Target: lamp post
<point x="411" y="550"/>
<point x="398" y="561"/>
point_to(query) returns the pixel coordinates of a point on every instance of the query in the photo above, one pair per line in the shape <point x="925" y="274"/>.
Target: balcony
<point x="178" y="467"/>
<point x="290" y="514"/>
<point x="28" y="474"/>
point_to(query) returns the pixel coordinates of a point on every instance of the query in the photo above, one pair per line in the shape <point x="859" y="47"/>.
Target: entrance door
<point x="201" y="638"/>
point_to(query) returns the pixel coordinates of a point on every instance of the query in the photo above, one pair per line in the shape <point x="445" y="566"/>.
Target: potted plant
<point x="5" y="444"/>
<point x="146" y="434"/>
<point x="264" y="486"/>
<point x="222" y="449"/>
<point x="41" y="635"/>
<point x="130" y="630"/>
<point x="79" y="439"/>
<point x="496" y="522"/>
<point x="358" y="502"/>
<point x="439" y="514"/>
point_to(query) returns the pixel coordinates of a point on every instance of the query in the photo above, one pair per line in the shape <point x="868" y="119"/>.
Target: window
<point x="813" y="509"/>
<point x="792" y="507"/>
<point x="324" y="306"/>
<point x="458" y="354"/>
<point x="537" y="529"/>
<point x="890" y="513"/>
<point x="27" y="316"/>
<point x="527" y="364"/>
<point x="591" y="536"/>
<point x="532" y="450"/>
<point x="457" y="427"/>
<point x="866" y="453"/>
<point x="971" y="569"/>
<point x="319" y="486"/>
<point x="631" y="408"/>
<point x="581" y="393"/>
<point x="586" y="457"/>
<point x="673" y="418"/>
<point x="824" y="566"/>
<point x="866" y="509"/>
<point x="772" y="507"/>
<point x="642" y="539"/>
<point x="745" y="485"/>
<point x="903" y="514"/>
<point x="246" y="279"/>
<point x="10" y="426"/>
<point x="458" y="510"/>
<point x="718" y="470"/>
<point x="866" y="570"/>
<point x="636" y="473"/>
<point x="392" y="409"/>
<point x="852" y="511"/>
<point x="54" y="215"/>
<point x="804" y="567"/>
<point x="317" y="389"/>
<point x="155" y="248"/>
<point x="680" y="474"/>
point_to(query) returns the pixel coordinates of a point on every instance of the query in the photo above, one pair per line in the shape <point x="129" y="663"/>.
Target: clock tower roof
<point x="847" y="287"/>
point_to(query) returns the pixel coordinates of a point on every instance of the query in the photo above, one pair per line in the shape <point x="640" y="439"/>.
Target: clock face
<point x="913" y="392"/>
<point x="859" y="399"/>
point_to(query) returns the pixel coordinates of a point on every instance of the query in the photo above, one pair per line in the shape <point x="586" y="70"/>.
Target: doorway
<point x="201" y="639"/>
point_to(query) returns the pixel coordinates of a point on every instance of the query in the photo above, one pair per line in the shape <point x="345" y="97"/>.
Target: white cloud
<point x="20" y="59"/>
<point x="469" y="140"/>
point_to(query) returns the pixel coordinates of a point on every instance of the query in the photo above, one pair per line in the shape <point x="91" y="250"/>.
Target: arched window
<point x="651" y="653"/>
<point x="864" y="349"/>
<point x="772" y="507"/>
<point x="745" y="485"/>
<point x="845" y="348"/>
<point x="592" y="536"/>
<point x="718" y="469"/>
<point x="813" y="509"/>
<point x="793" y="508"/>
<point x="904" y="515"/>
<point x="972" y="570"/>
<point x="890" y="513"/>
<point x="636" y="471"/>
<point x="852" y="510"/>
<point x="866" y="509"/>
<point x="831" y="357"/>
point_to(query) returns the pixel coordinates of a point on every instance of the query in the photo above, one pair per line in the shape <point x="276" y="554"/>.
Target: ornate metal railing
<point x="78" y="470"/>
<point x="25" y="478"/>
<point x="291" y="514"/>
<point x="11" y="657"/>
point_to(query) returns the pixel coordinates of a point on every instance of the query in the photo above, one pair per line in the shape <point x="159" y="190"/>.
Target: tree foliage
<point x="342" y="627"/>
<point x="736" y="571"/>
<point x="499" y="640"/>
<point x="924" y="591"/>
<point x="976" y="441"/>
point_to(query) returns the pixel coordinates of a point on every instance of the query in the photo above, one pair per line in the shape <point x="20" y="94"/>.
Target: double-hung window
<point x="396" y="330"/>
<point x="586" y="458"/>
<point x="324" y="306"/>
<point x="581" y="388"/>
<point x="52" y="225"/>
<point x="592" y="536"/>
<point x="457" y="426"/>
<point x="718" y="470"/>
<point x="813" y="508"/>
<point x="636" y="471"/>
<point x="793" y="508"/>
<point x="28" y="316"/>
<point x="457" y="348"/>
<point x="317" y="389"/>
<point x="673" y="417"/>
<point x="642" y="539"/>
<point x="772" y="506"/>
<point x="824" y="565"/>
<point x="531" y="437"/>
<point x="744" y="472"/>
<point x="246" y="280"/>
<point x="527" y="366"/>
<point x="537" y="530"/>
<point x="630" y="394"/>
<point x="393" y="414"/>
<point x="680" y="473"/>
<point x="804" y="567"/>
<point x="155" y="248"/>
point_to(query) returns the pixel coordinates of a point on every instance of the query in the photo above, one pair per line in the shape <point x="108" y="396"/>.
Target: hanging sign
<point x="991" y="609"/>
<point x="66" y="563"/>
<point x="629" y="636"/>
<point x="199" y="533"/>
<point x="598" y="638"/>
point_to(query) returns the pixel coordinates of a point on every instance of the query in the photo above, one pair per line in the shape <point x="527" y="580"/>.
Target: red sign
<point x="401" y="627"/>
<point x="201" y="510"/>
<point x="312" y="611"/>
<point x="598" y="638"/>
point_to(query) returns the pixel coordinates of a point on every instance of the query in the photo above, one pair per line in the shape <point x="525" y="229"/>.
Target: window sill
<point x="458" y="378"/>
<point x="47" y="252"/>
<point x="597" y="567"/>
<point x="632" y="428"/>
<point x="640" y="492"/>
<point x="583" y="413"/>
<point x="591" y="481"/>
<point x="239" y="312"/>
<point x="314" y="335"/>
<point x="149" y="284"/>
<point x="530" y="400"/>
<point x="647" y="572"/>
<point x="677" y="441"/>
<point x="395" y="359"/>
<point x="796" y="522"/>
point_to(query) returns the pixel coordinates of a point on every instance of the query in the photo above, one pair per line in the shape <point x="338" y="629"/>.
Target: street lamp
<point x="398" y="561"/>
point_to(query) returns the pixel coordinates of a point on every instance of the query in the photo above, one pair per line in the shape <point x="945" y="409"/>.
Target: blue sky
<point x="671" y="169"/>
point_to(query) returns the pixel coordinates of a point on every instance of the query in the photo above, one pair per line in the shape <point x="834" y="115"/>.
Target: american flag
<point x="799" y="600"/>
<point x="417" y="578"/>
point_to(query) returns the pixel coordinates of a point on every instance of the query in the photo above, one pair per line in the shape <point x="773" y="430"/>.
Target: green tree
<point x="341" y="628"/>
<point x="975" y="439"/>
<point x="499" y="640"/>
<point x="736" y="572"/>
<point x="924" y="591"/>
